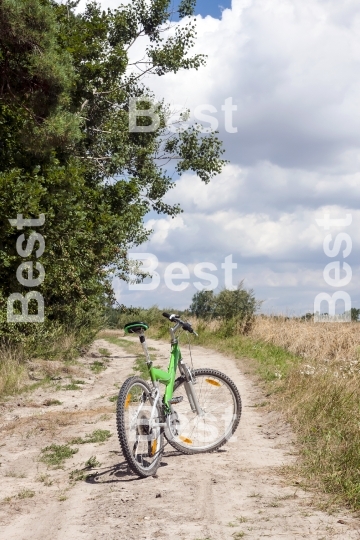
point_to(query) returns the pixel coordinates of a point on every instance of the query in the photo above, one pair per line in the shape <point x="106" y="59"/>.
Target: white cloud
<point x="292" y="68"/>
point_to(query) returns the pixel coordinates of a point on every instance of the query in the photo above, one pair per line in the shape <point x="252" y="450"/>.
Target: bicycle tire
<point x="189" y="446"/>
<point x="133" y="428"/>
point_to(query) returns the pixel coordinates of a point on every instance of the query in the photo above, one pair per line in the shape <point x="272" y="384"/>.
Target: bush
<point x="236" y="309"/>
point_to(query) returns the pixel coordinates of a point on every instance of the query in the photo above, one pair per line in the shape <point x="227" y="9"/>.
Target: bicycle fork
<point x="189" y="388"/>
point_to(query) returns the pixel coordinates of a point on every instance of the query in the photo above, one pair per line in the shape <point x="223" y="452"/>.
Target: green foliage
<point x="66" y="151"/>
<point x="74" y="385"/>
<point x="97" y="436"/>
<point x="97" y="367"/>
<point x="76" y="475"/>
<point x="186" y="8"/>
<point x="203" y="305"/>
<point x="92" y="463"/>
<point x="355" y="314"/>
<point x="55" y="455"/>
<point x="104" y="351"/>
<point x="36" y="78"/>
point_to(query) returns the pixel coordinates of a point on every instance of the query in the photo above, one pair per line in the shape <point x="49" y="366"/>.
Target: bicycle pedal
<point x="175" y="400"/>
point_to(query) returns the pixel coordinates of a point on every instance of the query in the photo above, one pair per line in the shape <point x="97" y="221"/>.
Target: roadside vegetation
<point x="71" y="168"/>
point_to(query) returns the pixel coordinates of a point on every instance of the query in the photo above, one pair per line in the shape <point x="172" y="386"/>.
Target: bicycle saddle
<point x="135" y="327"/>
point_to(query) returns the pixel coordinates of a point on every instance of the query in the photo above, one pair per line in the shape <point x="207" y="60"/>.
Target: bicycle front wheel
<point x="141" y="444"/>
<point x="220" y="405"/>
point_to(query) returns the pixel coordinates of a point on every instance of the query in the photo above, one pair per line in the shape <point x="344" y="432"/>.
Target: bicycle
<point x="199" y="411"/>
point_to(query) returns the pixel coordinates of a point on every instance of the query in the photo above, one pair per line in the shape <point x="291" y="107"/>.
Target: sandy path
<point x="234" y="493"/>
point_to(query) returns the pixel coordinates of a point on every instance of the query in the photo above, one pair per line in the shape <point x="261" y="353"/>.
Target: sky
<point x="291" y="69"/>
<point x="203" y="7"/>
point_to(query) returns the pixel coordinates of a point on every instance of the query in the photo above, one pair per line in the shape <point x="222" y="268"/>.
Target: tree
<point x="66" y="149"/>
<point x="203" y="305"/>
<point x="355" y="314"/>
<point x="239" y="304"/>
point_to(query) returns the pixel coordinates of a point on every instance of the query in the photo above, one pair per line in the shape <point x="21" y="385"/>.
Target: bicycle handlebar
<point x="175" y="318"/>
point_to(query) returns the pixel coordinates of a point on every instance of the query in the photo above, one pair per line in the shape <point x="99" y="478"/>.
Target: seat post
<point x="144" y="346"/>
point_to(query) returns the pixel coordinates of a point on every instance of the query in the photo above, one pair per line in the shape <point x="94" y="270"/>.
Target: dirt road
<point x="234" y="493"/>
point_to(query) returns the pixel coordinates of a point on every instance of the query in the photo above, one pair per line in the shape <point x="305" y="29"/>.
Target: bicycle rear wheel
<point x="220" y="402"/>
<point x="141" y="445"/>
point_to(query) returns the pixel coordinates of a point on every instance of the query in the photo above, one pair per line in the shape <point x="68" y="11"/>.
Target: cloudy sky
<point x="292" y="69"/>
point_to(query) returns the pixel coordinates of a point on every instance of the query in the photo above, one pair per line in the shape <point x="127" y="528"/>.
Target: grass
<point x="140" y="367"/>
<point x="104" y="352"/>
<point x="312" y="375"/>
<point x="74" y="385"/>
<point x="45" y="479"/>
<point x="50" y="402"/>
<point x="97" y="436"/>
<point x="26" y="494"/>
<point x="12" y="370"/>
<point x="97" y="367"/>
<point x="115" y="340"/>
<point x="55" y="455"/>
<point x="77" y="475"/>
<point x="92" y="463"/>
<point x="113" y="399"/>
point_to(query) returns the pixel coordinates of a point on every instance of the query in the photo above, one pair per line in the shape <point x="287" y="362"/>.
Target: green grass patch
<point x="104" y="352"/>
<point x="97" y="436"/>
<point x="113" y="399"/>
<point x="273" y="362"/>
<point x="55" y="455"/>
<point x="92" y="463"/>
<point x="117" y="341"/>
<point x="97" y="367"/>
<point x="140" y="367"/>
<point x="77" y="475"/>
<point x="73" y="385"/>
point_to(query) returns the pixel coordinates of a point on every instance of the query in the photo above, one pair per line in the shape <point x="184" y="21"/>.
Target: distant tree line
<point x="228" y="305"/>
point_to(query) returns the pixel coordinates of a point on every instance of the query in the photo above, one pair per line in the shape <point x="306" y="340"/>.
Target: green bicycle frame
<point x="167" y="377"/>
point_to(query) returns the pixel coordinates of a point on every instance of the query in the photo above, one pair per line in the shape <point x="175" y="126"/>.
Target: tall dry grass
<point x="313" y="373"/>
<point x="12" y="369"/>
<point x="321" y="396"/>
<point x="330" y="342"/>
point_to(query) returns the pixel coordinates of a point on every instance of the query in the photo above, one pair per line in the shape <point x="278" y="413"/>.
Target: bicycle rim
<point x="220" y="402"/>
<point x="141" y="445"/>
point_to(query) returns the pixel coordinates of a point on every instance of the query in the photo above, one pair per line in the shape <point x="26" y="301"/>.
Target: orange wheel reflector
<point x="127" y="401"/>
<point x="153" y="448"/>
<point x="211" y="381"/>
<point x="185" y="440"/>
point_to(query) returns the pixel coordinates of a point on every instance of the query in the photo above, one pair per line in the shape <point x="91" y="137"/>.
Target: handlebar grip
<point x="188" y="327"/>
<point x="166" y="315"/>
